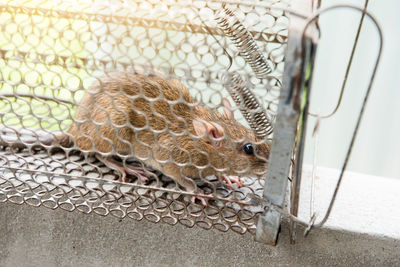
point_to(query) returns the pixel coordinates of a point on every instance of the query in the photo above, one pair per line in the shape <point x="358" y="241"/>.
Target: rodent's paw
<point x="144" y="174"/>
<point x="235" y="179"/>
<point x="202" y="200"/>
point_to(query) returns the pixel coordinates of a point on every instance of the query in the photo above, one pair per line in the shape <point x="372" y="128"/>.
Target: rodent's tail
<point x="23" y="138"/>
<point x="63" y="140"/>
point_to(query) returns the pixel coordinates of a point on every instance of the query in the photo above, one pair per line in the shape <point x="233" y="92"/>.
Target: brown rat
<point x="157" y="121"/>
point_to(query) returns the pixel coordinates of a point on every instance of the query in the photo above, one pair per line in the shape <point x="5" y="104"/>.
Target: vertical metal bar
<point x="296" y="182"/>
<point x="285" y="129"/>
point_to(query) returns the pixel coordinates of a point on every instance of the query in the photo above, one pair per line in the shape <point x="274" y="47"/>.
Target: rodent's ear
<point x="227" y="108"/>
<point x="212" y="129"/>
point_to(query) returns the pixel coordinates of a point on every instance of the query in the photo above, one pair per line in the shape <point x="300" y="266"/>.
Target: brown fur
<point x="115" y="111"/>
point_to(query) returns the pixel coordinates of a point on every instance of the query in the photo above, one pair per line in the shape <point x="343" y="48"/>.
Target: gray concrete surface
<point x="42" y="237"/>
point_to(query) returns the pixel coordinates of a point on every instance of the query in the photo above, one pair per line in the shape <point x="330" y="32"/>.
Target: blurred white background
<point x="377" y="149"/>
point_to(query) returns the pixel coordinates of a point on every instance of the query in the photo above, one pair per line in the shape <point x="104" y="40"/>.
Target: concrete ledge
<point x="365" y="203"/>
<point x="363" y="230"/>
<point x="42" y="237"/>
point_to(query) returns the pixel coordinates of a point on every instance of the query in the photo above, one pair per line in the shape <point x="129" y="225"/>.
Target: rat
<point x="156" y="120"/>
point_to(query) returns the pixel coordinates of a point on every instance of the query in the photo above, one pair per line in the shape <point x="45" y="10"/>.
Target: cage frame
<point x="300" y="52"/>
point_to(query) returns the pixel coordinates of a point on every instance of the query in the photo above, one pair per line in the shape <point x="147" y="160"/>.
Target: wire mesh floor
<point x="71" y="182"/>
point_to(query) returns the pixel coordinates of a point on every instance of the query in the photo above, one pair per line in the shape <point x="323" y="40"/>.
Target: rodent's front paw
<point x="235" y="179"/>
<point x="202" y="200"/>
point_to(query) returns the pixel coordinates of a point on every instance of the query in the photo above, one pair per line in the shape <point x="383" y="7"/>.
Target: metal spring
<point x="250" y="107"/>
<point x="244" y="41"/>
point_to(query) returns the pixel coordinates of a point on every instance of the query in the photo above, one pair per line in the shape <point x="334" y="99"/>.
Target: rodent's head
<point x="232" y="148"/>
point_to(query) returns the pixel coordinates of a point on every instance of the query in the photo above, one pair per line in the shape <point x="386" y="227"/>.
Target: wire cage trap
<point x="167" y="111"/>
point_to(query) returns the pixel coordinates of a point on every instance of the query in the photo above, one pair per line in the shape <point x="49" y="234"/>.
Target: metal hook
<point x="311" y="20"/>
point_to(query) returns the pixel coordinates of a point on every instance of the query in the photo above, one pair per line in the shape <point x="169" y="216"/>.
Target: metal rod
<point x="347" y="70"/>
<point x="296" y="183"/>
<point x="130" y="20"/>
<point x="314" y="169"/>
<point x="258" y="4"/>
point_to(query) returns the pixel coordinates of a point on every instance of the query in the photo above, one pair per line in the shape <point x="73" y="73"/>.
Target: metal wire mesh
<point x="53" y="55"/>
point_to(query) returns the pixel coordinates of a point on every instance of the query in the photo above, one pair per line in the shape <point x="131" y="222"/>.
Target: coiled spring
<point x="249" y="106"/>
<point x="244" y="41"/>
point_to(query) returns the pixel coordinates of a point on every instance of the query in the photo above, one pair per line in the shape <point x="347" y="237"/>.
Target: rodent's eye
<point x="248" y="149"/>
